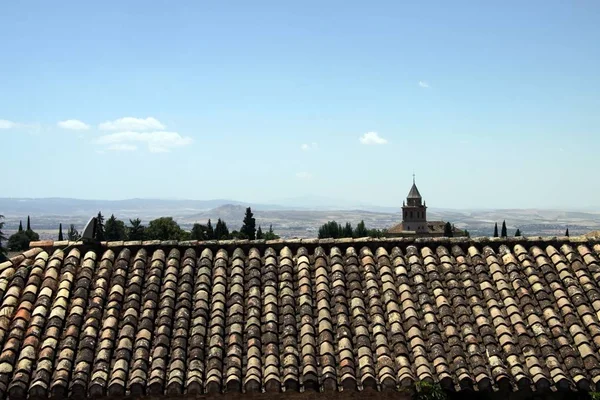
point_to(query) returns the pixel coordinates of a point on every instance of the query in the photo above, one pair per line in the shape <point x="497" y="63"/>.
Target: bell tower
<point x="414" y="211"/>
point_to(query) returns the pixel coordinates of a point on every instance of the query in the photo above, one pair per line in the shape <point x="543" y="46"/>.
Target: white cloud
<point x="308" y="146"/>
<point x="5" y="124"/>
<point x="372" y="138"/>
<point x="73" y="124"/>
<point x="132" y="124"/>
<point x="122" y="147"/>
<point x="304" y="175"/>
<point x="157" y="142"/>
<point x="424" y="84"/>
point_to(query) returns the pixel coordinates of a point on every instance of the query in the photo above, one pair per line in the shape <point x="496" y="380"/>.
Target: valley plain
<point x="288" y="221"/>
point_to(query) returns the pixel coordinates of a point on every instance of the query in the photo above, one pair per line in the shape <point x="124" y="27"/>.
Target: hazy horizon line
<point x="356" y="206"/>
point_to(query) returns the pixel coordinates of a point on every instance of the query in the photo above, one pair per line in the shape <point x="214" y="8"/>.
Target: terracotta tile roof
<point x="160" y="318"/>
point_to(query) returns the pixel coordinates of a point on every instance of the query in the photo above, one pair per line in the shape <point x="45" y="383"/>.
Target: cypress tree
<point x="60" y="233"/>
<point x="518" y="232"/>
<point x="221" y="230"/>
<point x="504" y="232"/>
<point x="259" y="233"/>
<point x="28" y="223"/>
<point x="218" y="229"/>
<point x="567" y="232"/>
<point x="271" y="235"/>
<point x="496" y="230"/>
<point x="361" y="230"/>
<point x="448" y="230"/>
<point x="210" y="232"/>
<point x="348" y="232"/>
<point x="249" y="226"/>
<point x="20" y="226"/>
<point x="100" y="227"/>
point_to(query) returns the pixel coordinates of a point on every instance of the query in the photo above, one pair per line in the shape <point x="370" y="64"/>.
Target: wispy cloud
<point x="74" y="125"/>
<point x="6" y="124"/>
<point x="122" y="147"/>
<point x="157" y="142"/>
<point x="424" y="84"/>
<point x="304" y="175"/>
<point x="132" y="124"/>
<point x="372" y="138"/>
<point x="308" y="146"/>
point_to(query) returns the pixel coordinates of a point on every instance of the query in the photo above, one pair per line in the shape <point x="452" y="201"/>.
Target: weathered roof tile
<point x="168" y="318"/>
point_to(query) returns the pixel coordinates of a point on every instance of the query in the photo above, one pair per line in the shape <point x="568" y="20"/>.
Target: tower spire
<point x="413" y="177"/>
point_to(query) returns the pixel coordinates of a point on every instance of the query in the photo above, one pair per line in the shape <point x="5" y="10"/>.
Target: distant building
<point x="414" y="219"/>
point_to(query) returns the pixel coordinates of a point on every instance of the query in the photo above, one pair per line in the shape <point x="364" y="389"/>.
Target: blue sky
<point x="493" y="105"/>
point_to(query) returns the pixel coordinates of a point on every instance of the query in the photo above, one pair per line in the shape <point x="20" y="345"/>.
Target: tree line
<point x="335" y="230"/>
<point x="450" y="229"/>
<point x="504" y="231"/>
<point x="166" y="228"/>
<point x="163" y="228"/>
<point x="20" y="240"/>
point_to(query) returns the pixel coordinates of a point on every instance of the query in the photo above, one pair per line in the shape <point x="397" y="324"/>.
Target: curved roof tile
<point x="168" y="318"/>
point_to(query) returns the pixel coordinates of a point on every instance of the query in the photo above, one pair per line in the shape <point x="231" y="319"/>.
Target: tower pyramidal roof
<point x="414" y="192"/>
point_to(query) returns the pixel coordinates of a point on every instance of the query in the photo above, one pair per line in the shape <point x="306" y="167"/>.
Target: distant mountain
<point x="301" y="217"/>
<point x="67" y="206"/>
<point x="327" y="203"/>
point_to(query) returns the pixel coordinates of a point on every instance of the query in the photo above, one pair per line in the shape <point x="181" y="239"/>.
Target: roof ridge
<point x="326" y="241"/>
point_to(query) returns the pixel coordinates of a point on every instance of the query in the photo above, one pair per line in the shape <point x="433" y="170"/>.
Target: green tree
<point x="361" y="230"/>
<point x="221" y="230"/>
<point x="237" y="235"/>
<point x="114" y="229"/>
<point x="270" y="235"/>
<point x="567" y="232"/>
<point x="517" y="232"/>
<point x="165" y="228"/>
<point x="504" y="232"/>
<point x="376" y="233"/>
<point x="259" y="233"/>
<point x="100" y="235"/>
<point x="331" y="229"/>
<point x="198" y="232"/>
<point x="72" y="234"/>
<point x="496" y="230"/>
<point x="249" y="227"/>
<point x="31" y="234"/>
<point x="210" y="232"/>
<point x="136" y="230"/>
<point x="2" y="237"/>
<point x="19" y="241"/>
<point x="467" y="234"/>
<point x="348" y="231"/>
<point x="448" y="230"/>
<point x="325" y="231"/>
<point x="60" y="233"/>
<point x="20" y="226"/>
